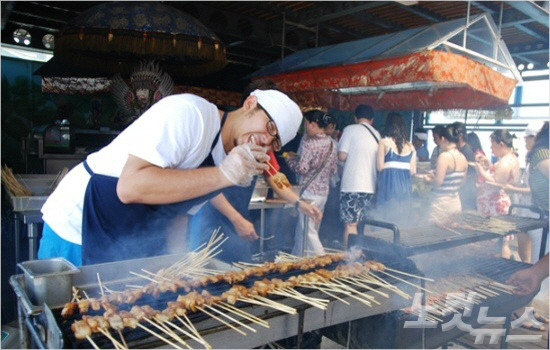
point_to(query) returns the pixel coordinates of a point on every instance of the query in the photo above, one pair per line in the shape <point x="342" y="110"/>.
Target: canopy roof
<point x="422" y="68"/>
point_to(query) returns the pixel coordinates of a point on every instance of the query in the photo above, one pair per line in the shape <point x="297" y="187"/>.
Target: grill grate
<point x="425" y="238"/>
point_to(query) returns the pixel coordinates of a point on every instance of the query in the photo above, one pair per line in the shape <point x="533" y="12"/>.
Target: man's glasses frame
<point x="272" y="131"/>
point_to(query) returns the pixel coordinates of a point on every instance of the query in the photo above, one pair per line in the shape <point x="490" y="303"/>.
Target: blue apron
<point x="208" y="219"/>
<point x="112" y="230"/>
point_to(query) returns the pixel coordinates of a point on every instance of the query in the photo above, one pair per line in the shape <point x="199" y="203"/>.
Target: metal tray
<point x="49" y="280"/>
<point x="39" y="186"/>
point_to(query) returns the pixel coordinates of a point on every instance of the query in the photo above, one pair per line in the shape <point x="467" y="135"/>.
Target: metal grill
<point x="469" y="272"/>
<point x="472" y="272"/>
<point x="138" y="338"/>
<point x="428" y="237"/>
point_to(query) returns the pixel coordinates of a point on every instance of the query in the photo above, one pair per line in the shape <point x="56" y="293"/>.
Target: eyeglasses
<point x="272" y="131"/>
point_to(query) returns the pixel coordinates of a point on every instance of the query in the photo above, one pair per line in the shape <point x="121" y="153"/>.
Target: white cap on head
<point x="421" y="135"/>
<point x="283" y="110"/>
<point x="533" y="128"/>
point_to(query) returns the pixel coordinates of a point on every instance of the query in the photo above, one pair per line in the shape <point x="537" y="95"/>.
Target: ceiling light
<point x="48" y="41"/>
<point x="530" y="66"/>
<point x="22" y="36"/>
<point x="521" y="66"/>
<point x="406" y="2"/>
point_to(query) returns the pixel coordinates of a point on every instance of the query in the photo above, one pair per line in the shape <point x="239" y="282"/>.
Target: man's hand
<point x="243" y="163"/>
<point x="245" y="229"/>
<point x="526" y="281"/>
<point x="311" y="211"/>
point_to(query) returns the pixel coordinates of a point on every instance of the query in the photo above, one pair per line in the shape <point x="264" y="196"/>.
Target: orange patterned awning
<point x="424" y="80"/>
<point x="218" y="97"/>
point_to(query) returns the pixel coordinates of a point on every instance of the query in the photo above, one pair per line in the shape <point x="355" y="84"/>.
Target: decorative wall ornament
<point x="148" y="85"/>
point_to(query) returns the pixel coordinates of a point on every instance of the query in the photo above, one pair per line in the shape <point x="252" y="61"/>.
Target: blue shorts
<point x="53" y="246"/>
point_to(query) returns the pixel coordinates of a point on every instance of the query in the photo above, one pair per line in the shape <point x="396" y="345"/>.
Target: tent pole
<point x="317" y="35"/>
<point x="497" y="39"/>
<point x="283" y="37"/>
<point x="467" y="24"/>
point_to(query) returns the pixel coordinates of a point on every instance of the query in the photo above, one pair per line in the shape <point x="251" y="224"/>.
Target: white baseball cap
<point x="285" y="113"/>
<point x="533" y="128"/>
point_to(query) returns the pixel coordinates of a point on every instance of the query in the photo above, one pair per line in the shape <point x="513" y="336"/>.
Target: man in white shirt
<point x="357" y="148"/>
<point x="178" y="154"/>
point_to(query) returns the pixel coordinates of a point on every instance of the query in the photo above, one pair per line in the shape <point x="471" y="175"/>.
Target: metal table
<point x="31" y="219"/>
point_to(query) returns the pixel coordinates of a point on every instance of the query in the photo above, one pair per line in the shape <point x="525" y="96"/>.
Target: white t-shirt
<point x="177" y="132"/>
<point x="359" y="173"/>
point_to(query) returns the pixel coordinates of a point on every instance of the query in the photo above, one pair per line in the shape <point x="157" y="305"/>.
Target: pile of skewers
<point x="456" y="293"/>
<point x="13" y="185"/>
<point x="344" y="281"/>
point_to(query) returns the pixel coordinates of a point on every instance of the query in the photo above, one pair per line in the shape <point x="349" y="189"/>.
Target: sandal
<point x="540" y="318"/>
<point x="529" y="325"/>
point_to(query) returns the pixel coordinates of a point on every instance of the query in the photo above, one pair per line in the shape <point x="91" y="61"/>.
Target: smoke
<point x="461" y="259"/>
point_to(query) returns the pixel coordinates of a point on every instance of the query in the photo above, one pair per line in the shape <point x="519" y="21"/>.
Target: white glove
<point x="243" y="163"/>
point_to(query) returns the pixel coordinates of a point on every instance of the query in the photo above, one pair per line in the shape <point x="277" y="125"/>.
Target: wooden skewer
<point x="273" y="168"/>
<point x="357" y="283"/>
<point x="156" y="275"/>
<point x="237" y="311"/>
<point x="191" y="336"/>
<point x="100" y="285"/>
<point x="293" y="296"/>
<point x="158" y="336"/>
<point x="222" y="321"/>
<point x="293" y="291"/>
<point x="143" y="276"/>
<point x="410" y="274"/>
<point x="75" y="293"/>
<point x="488" y="291"/>
<point x="122" y="338"/>
<point x="113" y="340"/>
<point x="329" y="286"/>
<point x="92" y="342"/>
<point x="266" y="302"/>
<point x="332" y="295"/>
<point x="135" y="286"/>
<point x="231" y="318"/>
<point x="171" y="333"/>
<point x="366" y="296"/>
<point x="407" y="282"/>
<point x="326" y="291"/>
<point x="270" y="303"/>
<point x="388" y="286"/>
<point x="196" y="336"/>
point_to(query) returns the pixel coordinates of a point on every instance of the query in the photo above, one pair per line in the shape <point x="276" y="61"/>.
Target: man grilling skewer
<point x="179" y="153"/>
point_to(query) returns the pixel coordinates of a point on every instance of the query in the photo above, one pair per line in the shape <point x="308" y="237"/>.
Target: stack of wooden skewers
<point x="13" y="185"/>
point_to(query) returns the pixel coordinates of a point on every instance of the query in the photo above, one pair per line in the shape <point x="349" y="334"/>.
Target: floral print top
<point x="314" y="152"/>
